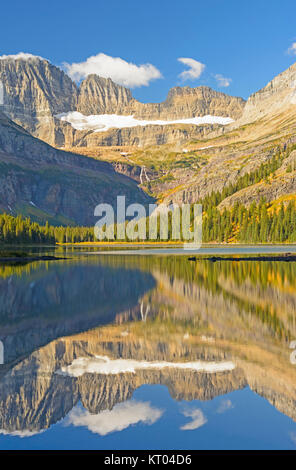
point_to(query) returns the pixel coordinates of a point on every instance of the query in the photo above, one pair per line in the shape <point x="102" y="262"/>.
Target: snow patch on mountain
<point x="104" y="122"/>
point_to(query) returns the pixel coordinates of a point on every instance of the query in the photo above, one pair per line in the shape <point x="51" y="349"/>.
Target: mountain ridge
<point x="35" y="92"/>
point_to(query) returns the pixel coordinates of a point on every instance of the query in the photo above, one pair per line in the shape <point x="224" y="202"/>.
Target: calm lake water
<point x="124" y="351"/>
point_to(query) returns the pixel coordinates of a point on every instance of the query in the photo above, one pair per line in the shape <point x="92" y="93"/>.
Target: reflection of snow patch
<point x="105" y="365"/>
<point x="120" y="417"/>
<point x="104" y="122"/>
<point x="22" y="433"/>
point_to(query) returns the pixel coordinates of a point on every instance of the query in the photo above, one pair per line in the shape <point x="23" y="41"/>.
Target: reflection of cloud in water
<point x="105" y="365"/>
<point x="224" y="406"/>
<point x="198" y="419"/>
<point x="120" y="417"/>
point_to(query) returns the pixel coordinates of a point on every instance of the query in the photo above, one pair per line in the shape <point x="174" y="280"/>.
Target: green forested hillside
<point x="260" y="223"/>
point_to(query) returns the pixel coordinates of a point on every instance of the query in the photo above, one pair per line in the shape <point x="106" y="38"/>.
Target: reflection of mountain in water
<point x="33" y="396"/>
<point x="63" y="298"/>
<point x="243" y="313"/>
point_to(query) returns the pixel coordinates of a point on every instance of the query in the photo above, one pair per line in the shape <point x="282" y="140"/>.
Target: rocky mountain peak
<point x="278" y="95"/>
<point x="98" y="95"/>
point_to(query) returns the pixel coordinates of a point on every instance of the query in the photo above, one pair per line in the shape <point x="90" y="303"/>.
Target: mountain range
<point x="195" y="142"/>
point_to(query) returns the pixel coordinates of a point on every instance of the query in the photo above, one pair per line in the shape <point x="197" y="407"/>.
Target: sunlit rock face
<point x="34" y="91"/>
<point x="99" y="95"/>
<point x="277" y="96"/>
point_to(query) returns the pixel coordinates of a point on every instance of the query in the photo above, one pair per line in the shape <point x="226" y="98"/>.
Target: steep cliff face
<point x="49" y="184"/>
<point x="277" y="96"/>
<point x="99" y="95"/>
<point x="34" y="91"/>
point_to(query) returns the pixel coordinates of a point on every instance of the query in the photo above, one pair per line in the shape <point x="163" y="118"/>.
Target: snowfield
<point x="104" y="122"/>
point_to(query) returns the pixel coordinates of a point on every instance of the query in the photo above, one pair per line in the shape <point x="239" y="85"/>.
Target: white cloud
<point x="105" y="365"/>
<point x="197" y="419"/>
<point x="224" y="406"/>
<point x="292" y="49"/>
<point x="22" y="56"/>
<point x="121" y="72"/>
<point x="120" y="417"/>
<point x="222" y="81"/>
<point x="195" y="68"/>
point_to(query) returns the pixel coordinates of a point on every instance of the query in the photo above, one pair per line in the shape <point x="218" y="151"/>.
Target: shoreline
<point x="145" y="243"/>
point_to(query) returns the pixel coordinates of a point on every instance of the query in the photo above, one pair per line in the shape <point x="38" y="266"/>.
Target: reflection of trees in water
<point x="259" y="293"/>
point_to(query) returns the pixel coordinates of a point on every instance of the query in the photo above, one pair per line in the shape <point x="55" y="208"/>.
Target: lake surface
<point x="114" y="350"/>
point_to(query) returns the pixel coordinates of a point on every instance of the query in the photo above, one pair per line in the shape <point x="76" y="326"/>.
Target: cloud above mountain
<point x="195" y="68"/>
<point x="292" y="49"/>
<point x="120" y="71"/>
<point x="222" y="81"/>
<point x="22" y="56"/>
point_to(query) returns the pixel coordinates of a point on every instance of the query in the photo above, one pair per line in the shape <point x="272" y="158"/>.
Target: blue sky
<point x="246" y="42"/>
